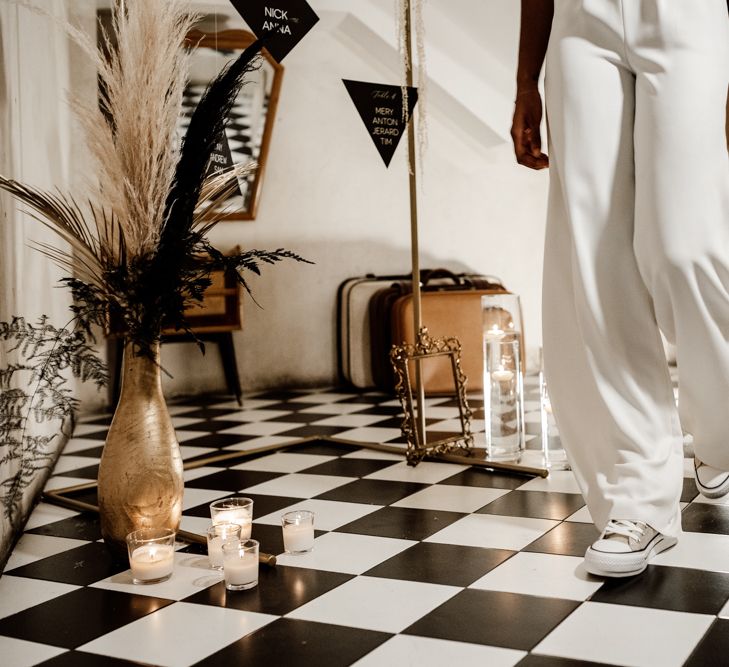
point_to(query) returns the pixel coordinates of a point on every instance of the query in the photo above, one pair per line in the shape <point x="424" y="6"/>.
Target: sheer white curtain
<point x="35" y="146"/>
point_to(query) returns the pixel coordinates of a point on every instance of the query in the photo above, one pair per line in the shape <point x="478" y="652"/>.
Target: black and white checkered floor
<point x="433" y="565"/>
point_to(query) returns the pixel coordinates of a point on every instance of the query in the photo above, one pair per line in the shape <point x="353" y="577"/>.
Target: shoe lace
<point x="630" y="529"/>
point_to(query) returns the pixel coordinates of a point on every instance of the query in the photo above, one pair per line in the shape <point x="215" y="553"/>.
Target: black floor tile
<point x="77" y="617"/>
<point x="366" y="399"/>
<point x="204" y="399"/>
<point x="83" y="526"/>
<point x="385" y="410"/>
<point x="296" y="643"/>
<point x="314" y="430"/>
<point x="487" y="479"/>
<point x="673" y="588"/>
<point x="207" y="413"/>
<point x="509" y="620"/>
<point x="550" y="661"/>
<point x="93" y="452"/>
<point x="218" y="440"/>
<point x="472" y="403"/>
<point x="291" y="406"/>
<point x="404" y="523"/>
<point x="535" y="505"/>
<point x="706" y="518"/>
<point x="713" y="648"/>
<point x="87" y="472"/>
<point x="689" y="491"/>
<point x="300" y="417"/>
<point x="322" y="448"/>
<point x="569" y="538"/>
<point x="349" y="467"/>
<point x="279" y="395"/>
<point x="372" y="491"/>
<point x="80" y="566"/>
<point x="232" y="480"/>
<point x="80" y="659"/>
<point x="279" y="591"/>
<point x="447" y="564"/>
<point x="211" y="425"/>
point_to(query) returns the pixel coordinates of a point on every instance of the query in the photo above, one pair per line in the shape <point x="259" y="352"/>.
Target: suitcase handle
<point x="436" y="274"/>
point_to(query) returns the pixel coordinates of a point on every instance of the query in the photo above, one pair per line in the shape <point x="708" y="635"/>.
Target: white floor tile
<point x="454" y="425"/>
<point x="582" y="515"/>
<point x="284" y="462"/>
<point x="249" y="403"/>
<point x="19" y="653"/>
<point x="371" y="434"/>
<point x="66" y="463"/>
<point x="425" y="472"/>
<point x="178" y="635"/>
<point x="183" y="436"/>
<point x="194" y="497"/>
<point x="701" y="551"/>
<point x="326" y="397"/>
<point x="548" y="575"/>
<point x="328" y="514"/>
<point x="81" y="430"/>
<point x="411" y="651"/>
<point x="299" y="485"/>
<point x="195" y="524"/>
<point x="194" y="473"/>
<point x="190" y="575"/>
<point x="350" y="553"/>
<point x="492" y="531"/>
<point x="46" y="513"/>
<point x="451" y="498"/>
<point x="188" y="452"/>
<point x="60" y="482"/>
<point x="19" y="593"/>
<point x="261" y="428"/>
<point x="335" y="408"/>
<point x="435" y="412"/>
<point x="80" y="444"/>
<point x="372" y="454"/>
<point x="560" y="481"/>
<point x="254" y="415"/>
<point x="31" y="548"/>
<point x="180" y="409"/>
<point x="637" y="636"/>
<point x="349" y="421"/>
<point x="688" y="467"/>
<point x="258" y="443"/>
<point x="387" y="605"/>
<point x="181" y="422"/>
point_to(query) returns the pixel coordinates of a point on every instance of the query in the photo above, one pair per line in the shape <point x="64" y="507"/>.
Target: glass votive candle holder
<point x="151" y="554"/>
<point x="240" y="564"/>
<point x="298" y="531"/>
<point x="219" y="534"/>
<point x="234" y="510"/>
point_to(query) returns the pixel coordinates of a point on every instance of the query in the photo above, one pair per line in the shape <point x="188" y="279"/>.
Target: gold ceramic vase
<point x="140" y="474"/>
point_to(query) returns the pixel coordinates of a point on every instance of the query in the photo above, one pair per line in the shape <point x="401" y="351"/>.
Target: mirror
<point x="250" y="126"/>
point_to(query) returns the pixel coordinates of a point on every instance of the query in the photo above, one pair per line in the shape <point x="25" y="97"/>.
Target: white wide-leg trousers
<point x="637" y="242"/>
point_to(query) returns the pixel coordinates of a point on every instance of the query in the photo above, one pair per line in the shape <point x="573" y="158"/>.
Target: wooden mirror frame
<point x="239" y="40"/>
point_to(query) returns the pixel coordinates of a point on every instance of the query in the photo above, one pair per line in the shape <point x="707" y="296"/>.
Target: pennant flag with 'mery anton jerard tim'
<point x="381" y="109"/>
<point x="282" y="24"/>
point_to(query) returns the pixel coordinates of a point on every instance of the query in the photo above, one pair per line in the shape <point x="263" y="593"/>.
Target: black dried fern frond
<point x="35" y="388"/>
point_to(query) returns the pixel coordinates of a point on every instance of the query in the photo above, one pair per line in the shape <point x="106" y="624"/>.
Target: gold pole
<point x="414" y="243"/>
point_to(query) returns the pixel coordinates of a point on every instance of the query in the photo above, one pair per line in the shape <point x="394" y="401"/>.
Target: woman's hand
<point x="525" y="130"/>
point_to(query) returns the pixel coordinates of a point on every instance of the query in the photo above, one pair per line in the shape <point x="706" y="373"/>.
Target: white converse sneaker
<point x="624" y="549"/>
<point x="710" y="482"/>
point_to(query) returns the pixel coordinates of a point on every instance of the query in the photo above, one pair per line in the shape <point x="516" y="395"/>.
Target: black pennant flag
<point x="221" y="159"/>
<point x="282" y="24"/>
<point x="381" y="109"/>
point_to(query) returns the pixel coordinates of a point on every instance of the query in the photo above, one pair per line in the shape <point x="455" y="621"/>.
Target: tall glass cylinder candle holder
<point x="151" y="554"/>
<point x="555" y="457"/>
<point x="503" y="397"/>
<point x="234" y="510"/>
<point x="240" y="564"/>
<point x="219" y="534"/>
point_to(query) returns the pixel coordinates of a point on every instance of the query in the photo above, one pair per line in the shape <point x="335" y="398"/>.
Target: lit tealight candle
<point x="494" y="333"/>
<point x="240" y="516"/>
<point x="240" y="564"/>
<point x="152" y="562"/>
<point x="502" y="375"/>
<point x="298" y="538"/>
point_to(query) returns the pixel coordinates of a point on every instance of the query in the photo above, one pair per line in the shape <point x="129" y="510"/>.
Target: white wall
<point x="328" y="196"/>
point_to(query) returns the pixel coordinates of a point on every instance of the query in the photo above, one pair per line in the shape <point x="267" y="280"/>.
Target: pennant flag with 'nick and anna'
<point x="282" y="24"/>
